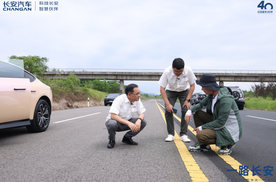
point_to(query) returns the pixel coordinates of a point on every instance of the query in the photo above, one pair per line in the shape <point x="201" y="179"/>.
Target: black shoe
<point x="111" y="144"/>
<point x="129" y="141"/>
<point x="199" y="147"/>
<point x="226" y="150"/>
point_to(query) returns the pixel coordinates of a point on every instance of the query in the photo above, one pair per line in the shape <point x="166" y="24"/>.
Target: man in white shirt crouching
<point x="121" y="113"/>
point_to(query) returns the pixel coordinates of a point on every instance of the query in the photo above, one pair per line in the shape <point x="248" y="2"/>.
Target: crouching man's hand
<point x="188" y="116"/>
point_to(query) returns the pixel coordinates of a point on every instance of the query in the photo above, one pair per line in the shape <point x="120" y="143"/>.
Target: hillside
<point x="68" y="99"/>
<point x="77" y="98"/>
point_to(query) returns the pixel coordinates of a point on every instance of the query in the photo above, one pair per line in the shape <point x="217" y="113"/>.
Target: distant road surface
<point x="74" y="149"/>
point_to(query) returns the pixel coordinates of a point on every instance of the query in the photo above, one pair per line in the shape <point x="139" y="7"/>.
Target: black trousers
<point x="172" y="97"/>
<point x="113" y="126"/>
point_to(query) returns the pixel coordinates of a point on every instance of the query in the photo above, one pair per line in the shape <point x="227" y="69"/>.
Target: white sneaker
<point x="185" y="138"/>
<point x="170" y="138"/>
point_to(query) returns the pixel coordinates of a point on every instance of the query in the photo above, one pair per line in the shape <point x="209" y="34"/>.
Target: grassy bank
<point x="260" y="103"/>
<point x="71" y="91"/>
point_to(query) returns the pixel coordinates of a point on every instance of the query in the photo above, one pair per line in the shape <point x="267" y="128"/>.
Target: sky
<point x="144" y="34"/>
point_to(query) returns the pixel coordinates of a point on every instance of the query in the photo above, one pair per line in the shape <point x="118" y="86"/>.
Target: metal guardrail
<point x="232" y="71"/>
<point x="157" y="70"/>
<point x="154" y="74"/>
<point x="106" y="70"/>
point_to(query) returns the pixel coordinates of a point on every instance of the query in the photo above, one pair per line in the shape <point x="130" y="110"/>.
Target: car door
<point x="15" y="93"/>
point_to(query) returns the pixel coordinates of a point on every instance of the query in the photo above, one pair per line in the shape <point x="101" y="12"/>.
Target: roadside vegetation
<point x="71" y="90"/>
<point x="260" y="103"/>
<point x="262" y="96"/>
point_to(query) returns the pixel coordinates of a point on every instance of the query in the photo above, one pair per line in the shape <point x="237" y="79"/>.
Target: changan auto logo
<point x="45" y="6"/>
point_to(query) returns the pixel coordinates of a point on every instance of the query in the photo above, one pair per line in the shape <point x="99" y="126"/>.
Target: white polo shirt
<point x="171" y="82"/>
<point x="123" y="108"/>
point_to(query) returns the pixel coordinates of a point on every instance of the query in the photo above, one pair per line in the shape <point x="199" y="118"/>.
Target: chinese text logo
<point x="29" y="6"/>
<point x="17" y="6"/>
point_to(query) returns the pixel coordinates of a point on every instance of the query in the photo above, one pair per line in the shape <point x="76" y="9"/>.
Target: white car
<point x="24" y="99"/>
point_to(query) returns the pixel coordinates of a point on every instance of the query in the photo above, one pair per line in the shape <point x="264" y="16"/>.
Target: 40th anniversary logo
<point x="30" y="5"/>
<point x="265" y="7"/>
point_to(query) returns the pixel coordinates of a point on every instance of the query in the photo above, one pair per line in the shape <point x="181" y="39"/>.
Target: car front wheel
<point x="41" y="118"/>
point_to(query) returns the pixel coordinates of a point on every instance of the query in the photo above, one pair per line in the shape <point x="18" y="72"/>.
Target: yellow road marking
<point x="227" y="158"/>
<point x="191" y="165"/>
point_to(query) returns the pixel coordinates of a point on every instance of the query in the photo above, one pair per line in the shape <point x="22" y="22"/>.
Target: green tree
<point x="71" y="81"/>
<point x="100" y="85"/>
<point x="113" y="86"/>
<point x="87" y="83"/>
<point x="34" y="64"/>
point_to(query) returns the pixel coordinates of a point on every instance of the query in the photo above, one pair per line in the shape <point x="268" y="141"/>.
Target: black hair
<point x="130" y="88"/>
<point x="178" y="63"/>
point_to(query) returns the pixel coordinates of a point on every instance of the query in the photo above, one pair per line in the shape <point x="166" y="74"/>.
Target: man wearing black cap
<point x="221" y="123"/>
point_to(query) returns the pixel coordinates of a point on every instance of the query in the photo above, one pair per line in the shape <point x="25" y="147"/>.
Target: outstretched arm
<point x="165" y="98"/>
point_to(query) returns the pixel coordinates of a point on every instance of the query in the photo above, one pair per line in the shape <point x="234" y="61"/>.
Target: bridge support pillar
<point x="121" y="86"/>
<point x="221" y="83"/>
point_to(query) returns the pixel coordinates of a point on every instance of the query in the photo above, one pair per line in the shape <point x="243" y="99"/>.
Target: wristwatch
<point x="141" y="119"/>
<point x="189" y="100"/>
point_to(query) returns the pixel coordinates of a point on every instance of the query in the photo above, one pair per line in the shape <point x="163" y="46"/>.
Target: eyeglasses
<point x="138" y="93"/>
<point x="178" y="72"/>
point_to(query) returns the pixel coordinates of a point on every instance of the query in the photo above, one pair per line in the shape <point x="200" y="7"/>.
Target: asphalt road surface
<point x="74" y="149"/>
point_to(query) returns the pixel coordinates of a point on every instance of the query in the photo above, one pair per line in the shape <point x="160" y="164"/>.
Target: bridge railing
<point x="232" y="71"/>
<point x="156" y="70"/>
<point x="105" y="70"/>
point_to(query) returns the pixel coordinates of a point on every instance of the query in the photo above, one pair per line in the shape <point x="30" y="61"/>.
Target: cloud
<point x="144" y="34"/>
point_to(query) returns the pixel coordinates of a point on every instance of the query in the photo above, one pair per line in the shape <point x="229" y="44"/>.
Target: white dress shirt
<point x="123" y="108"/>
<point x="171" y="82"/>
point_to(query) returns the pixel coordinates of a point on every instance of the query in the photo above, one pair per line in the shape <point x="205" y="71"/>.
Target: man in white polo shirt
<point x="177" y="81"/>
<point x="121" y="113"/>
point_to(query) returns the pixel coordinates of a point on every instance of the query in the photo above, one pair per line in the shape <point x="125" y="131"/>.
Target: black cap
<point x="208" y="81"/>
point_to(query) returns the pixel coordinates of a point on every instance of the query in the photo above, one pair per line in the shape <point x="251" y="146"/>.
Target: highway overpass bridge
<point x="154" y="74"/>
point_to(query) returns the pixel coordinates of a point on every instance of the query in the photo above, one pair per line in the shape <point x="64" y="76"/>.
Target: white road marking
<point x="261" y="118"/>
<point x="77" y="117"/>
